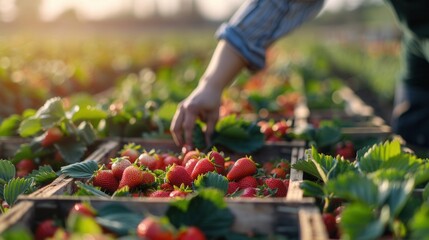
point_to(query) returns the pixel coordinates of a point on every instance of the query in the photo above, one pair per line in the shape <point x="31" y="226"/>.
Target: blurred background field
<point x="136" y="51"/>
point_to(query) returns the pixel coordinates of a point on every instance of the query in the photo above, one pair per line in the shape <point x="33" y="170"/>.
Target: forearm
<point x="225" y="64"/>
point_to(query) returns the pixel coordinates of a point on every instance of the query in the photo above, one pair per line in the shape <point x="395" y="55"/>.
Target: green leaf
<point x="71" y="150"/>
<point x="24" y="151"/>
<point x="45" y="174"/>
<point x="118" y="218"/>
<point x="7" y="171"/>
<point x="373" y="159"/>
<point x="80" y="170"/>
<point x="207" y="210"/>
<point x="91" y="190"/>
<point x="16" y="187"/>
<point x="87" y="113"/>
<point x="80" y="224"/>
<point x="359" y="221"/>
<point x="312" y="189"/>
<point x="307" y="165"/>
<point x="327" y="136"/>
<point x="213" y="180"/>
<point x="422" y="174"/>
<point x="425" y="193"/>
<point x="86" y="133"/>
<point x="122" y="192"/>
<point x="419" y="225"/>
<point x="17" y="232"/>
<point x="51" y="113"/>
<point x="29" y="127"/>
<point x="10" y="125"/>
<point x="399" y="192"/>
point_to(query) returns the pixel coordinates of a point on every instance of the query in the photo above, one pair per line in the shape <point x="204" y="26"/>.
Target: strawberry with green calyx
<point x="132" y="177"/>
<point x="170" y="159"/>
<point x="278" y="172"/>
<point x="159" y="194"/>
<point x="203" y="166"/>
<point x="177" y="175"/>
<point x="277" y="185"/>
<point x="150" y="160"/>
<point x="148" y="178"/>
<point x="248" y="181"/>
<point x="243" y="167"/>
<point x="330" y="224"/>
<point x="105" y="179"/>
<point x="180" y="192"/>
<point x="190" y="233"/>
<point x="130" y="150"/>
<point x="190" y="155"/>
<point x="51" y="136"/>
<point x="156" y="228"/>
<point x="218" y="160"/>
<point x="166" y="187"/>
<point x="118" y="166"/>
<point x="190" y="165"/>
<point x="83" y="208"/>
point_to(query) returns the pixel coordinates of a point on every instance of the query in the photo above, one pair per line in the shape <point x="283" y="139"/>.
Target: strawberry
<point x="248" y="181"/>
<point x="346" y="150"/>
<point x="278" y="173"/>
<point x="167" y="187"/>
<point x="155" y="228"/>
<point x="150" y="160"/>
<point x="190" y="233"/>
<point x="25" y="167"/>
<point x="131" y="151"/>
<point x="46" y="229"/>
<point x="203" y="166"/>
<point x="51" y="136"/>
<point x="330" y="224"/>
<point x="232" y="187"/>
<point x="277" y="185"/>
<point x="189" y="155"/>
<point x="105" y="180"/>
<point x="280" y="128"/>
<point x="159" y="194"/>
<point x="119" y="165"/>
<point x="132" y="177"/>
<point x="228" y="165"/>
<point x="179" y="192"/>
<point x="242" y="167"/>
<point x="170" y="160"/>
<point x="177" y="175"/>
<point x="218" y="160"/>
<point x="249" y="192"/>
<point x="190" y="165"/>
<point x="267" y="166"/>
<point x="285" y="165"/>
<point x="83" y="209"/>
<point x="148" y="178"/>
<point x="266" y="129"/>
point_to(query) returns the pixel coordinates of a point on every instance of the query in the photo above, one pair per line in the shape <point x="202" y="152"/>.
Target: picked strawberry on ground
<point x="177" y="175"/>
<point x="203" y="166"/>
<point x="131" y="151"/>
<point x="242" y="167"/>
<point x="105" y="180"/>
<point x="118" y="166"/>
<point x="51" y="136"/>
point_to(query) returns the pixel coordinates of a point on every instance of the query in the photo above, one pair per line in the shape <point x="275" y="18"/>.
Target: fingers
<point x="188" y="127"/>
<point x="210" y="126"/>
<point x="176" y="125"/>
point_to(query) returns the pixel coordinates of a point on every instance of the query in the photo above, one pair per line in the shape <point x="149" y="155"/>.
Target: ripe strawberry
<point x="131" y="154"/>
<point x="228" y="165"/>
<point x="46" y="229"/>
<point x="190" y="165"/>
<point x="132" y="177"/>
<point x="150" y="160"/>
<point x="167" y="187"/>
<point x="51" y="136"/>
<point x="159" y="194"/>
<point x="25" y="167"/>
<point x="178" y="193"/>
<point x="189" y="155"/>
<point x="105" y="180"/>
<point x="83" y="209"/>
<point x="266" y="129"/>
<point x="203" y="166"/>
<point x="248" y="181"/>
<point x="242" y="167"/>
<point x="330" y="224"/>
<point x="278" y="173"/>
<point x="232" y="187"/>
<point x="249" y="192"/>
<point x="268" y="166"/>
<point x="277" y="185"/>
<point x="218" y="160"/>
<point x="346" y="150"/>
<point x="170" y="160"/>
<point x="118" y="166"/>
<point x="148" y="178"/>
<point x="280" y="128"/>
<point x="177" y="175"/>
<point x="191" y="233"/>
<point x="155" y="228"/>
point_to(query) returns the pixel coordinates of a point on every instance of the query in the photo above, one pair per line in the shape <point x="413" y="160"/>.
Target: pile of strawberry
<point x="275" y="131"/>
<point x="154" y="174"/>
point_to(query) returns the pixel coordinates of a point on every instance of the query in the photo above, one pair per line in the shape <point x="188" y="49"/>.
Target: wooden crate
<point x="294" y="220"/>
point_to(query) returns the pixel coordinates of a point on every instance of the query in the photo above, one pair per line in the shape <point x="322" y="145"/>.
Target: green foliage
<point x="91" y="190"/>
<point x="16" y="187"/>
<point x="118" y="218"/>
<point x="7" y="171"/>
<point x="212" y="180"/>
<point x="80" y="170"/>
<point x="10" y="125"/>
<point x="419" y="225"/>
<point x="45" y="174"/>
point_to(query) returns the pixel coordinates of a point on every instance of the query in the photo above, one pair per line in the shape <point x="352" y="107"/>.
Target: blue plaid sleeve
<point x="259" y="23"/>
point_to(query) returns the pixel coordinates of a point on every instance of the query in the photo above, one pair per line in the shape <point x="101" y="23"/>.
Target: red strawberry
<point x="170" y="160"/>
<point x="268" y="166"/>
<point x="25" y="167"/>
<point x="249" y="192"/>
<point x="285" y="165"/>
<point x="131" y="151"/>
<point x="228" y="165"/>
<point x="218" y="160"/>
<point x="178" y="193"/>
<point x="132" y="177"/>
<point x="167" y="187"/>
<point x="286" y="183"/>
<point x="232" y="187"/>
<point x="148" y="178"/>
<point x="277" y="185"/>
<point x="83" y="209"/>
<point x="105" y="180"/>
<point x="242" y="167"/>
<point x="159" y="194"/>
<point x="154" y="228"/>
<point x="45" y="229"/>
<point x="330" y="224"/>
<point x="203" y="166"/>
<point x="248" y="181"/>
<point x="150" y="160"/>
<point x="191" y="233"/>
<point x="280" y="128"/>
<point x="189" y="155"/>
<point x="346" y="150"/>
<point x="51" y="136"/>
<point x="190" y="165"/>
<point x="119" y="165"/>
<point x="177" y="175"/>
<point x="278" y="173"/>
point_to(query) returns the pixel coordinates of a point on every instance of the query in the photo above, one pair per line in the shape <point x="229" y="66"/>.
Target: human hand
<point x="203" y="104"/>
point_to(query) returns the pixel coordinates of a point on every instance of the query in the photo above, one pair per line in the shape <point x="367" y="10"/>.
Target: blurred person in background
<point x="243" y="42"/>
